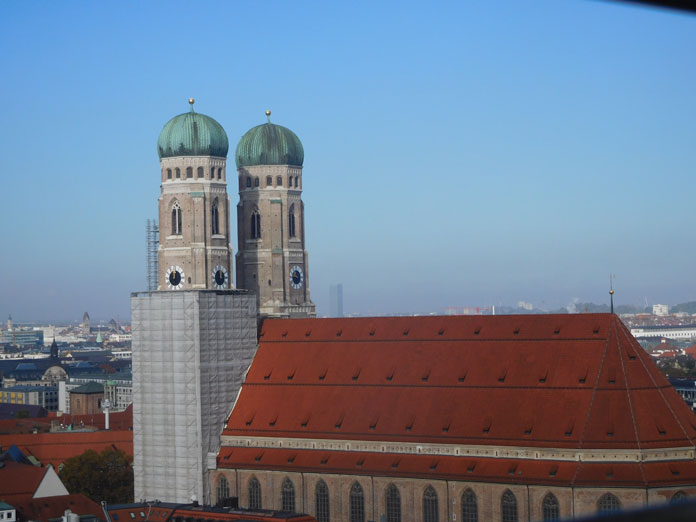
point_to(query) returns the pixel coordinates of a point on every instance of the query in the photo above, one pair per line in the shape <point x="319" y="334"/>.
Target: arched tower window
<point x="256" y="182"/>
<point x="269" y="181"/>
<point x="608" y="503"/>
<point x="222" y="490"/>
<point x="214" y="218"/>
<point x="393" y="501"/>
<point x="295" y="181"/>
<point x="430" y="511"/>
<point x="219" y="173"/>
<point x="549" y="507"/>
<point x="291" y="221"/>
<point x="178" y="172"/>
<point x="176" y="219"/>
<point x="199" y="172"/>
<point x="212" y="173"/>
<point x="169" y="173"/>
<point x="254" y="493"/>
<point x="679" y="497"/>
<point x="469" y="507"/>
<point x="256" y="224"/>
<point x="508" y="506"/>
<point x="357" y="503"/>
<point x="248" y="182"/>
<point x="279" y="181"/>
<point x="322" y="501"/>
<point x="189" y="172"/>
<point x="288" y="496"/>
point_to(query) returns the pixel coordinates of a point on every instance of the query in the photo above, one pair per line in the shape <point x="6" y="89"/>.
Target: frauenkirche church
<point x="241" y="392"/>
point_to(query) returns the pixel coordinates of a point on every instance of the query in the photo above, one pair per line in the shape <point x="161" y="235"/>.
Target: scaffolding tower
<point x="152" y="246"/>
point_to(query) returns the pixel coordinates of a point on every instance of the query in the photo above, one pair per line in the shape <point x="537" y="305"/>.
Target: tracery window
<point x="189" y="172"/>
<point x="169" y="173"/>
<point x="291" y="221"/>
<point x="176" y="219"/>
<point x="393" y="501"/>
<point x="469" y="507"/>
<point x="178" y="172"/>
<point x="223" y="489"/>
<point x="322" y="502"/>
<point x="199" y="172"/>
<point x="430" y="505"/>
<point x="550" y="508"/>
<point x="508" y="506"/>
<point x="248" y="182"/>
<point x="279" y="181"/>
<point x="608" y="503"/>
<point x="256" y="182"/>
<point x="357" y="503"/>
<point x="288" y="496"/>
<point x="679" y="497"/>
<point x="269" y="181"/>
<point x="254" y="493"/>
<point x="256" y="224"/>
<point x="214" y="218"/>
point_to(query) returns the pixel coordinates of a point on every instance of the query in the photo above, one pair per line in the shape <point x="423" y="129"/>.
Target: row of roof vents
<point x="440" y="332"/>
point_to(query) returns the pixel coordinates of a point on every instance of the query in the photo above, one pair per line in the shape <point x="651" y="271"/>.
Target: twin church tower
<point x="194" y="213"/>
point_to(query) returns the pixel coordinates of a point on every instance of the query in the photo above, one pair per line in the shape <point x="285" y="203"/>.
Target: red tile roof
<point x="19" y="480"/>
<point x="55" y="448"/>
<point x="43" y="509"/>
<point x="562" y="381"/>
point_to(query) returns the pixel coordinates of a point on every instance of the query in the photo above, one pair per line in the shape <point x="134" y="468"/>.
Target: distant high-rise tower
<point x="271" y="259"/>
<point x="85" y="324"/>
<point x="9" y="323"/>
<point x="336" y="300"/>
<point x="151" y="246"/>
<point x="194" y="339"/>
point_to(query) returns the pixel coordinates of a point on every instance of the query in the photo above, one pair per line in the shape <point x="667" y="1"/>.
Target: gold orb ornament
<point x="611" y="292"/>
<point x="192" y="101"/>
<point x="268" y="113"/>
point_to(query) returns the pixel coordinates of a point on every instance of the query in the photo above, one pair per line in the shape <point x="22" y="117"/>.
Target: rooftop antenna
<point x="611" y="291"/>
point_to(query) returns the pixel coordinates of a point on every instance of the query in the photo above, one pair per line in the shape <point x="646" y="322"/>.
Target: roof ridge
<point x="659" y="390"/>
<point x="628" y="394"/>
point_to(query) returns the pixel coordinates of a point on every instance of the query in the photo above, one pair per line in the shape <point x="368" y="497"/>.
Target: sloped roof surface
<point x="563" y="381"/>
<point x="89" y="388"/>
<point x="54" y="507"/>
<point x="19" y="480"/>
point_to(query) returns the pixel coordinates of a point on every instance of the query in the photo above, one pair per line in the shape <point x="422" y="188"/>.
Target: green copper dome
<point x="269" y="144"/>
<point x="192" y="134"/>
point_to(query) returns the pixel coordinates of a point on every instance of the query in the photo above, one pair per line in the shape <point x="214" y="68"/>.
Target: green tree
<point x="100" y="476"/>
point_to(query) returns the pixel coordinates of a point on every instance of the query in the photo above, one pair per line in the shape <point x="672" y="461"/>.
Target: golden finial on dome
<point x="268" y="115"/>
<point x="191" y="102"/>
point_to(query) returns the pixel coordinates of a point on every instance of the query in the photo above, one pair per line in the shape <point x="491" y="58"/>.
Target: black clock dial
<point x="296" y="277"/>
<point x="219" y="277"/>
<point x="175" y="277"/>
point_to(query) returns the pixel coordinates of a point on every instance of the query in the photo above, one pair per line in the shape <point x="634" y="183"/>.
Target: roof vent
<point x="502" y="375"/>
<point x="268" y="375"/>
<point x="284" y="334"/>
<point x="610" y="473"/>
<point x="471" y="467"/>
<point x="477" y="331"/>
<point x="406" y="331"/>
<point x="542" y="378"/>
<point x="516" y="331"/>
<point x="582" y="377"/>
<point x="426" y="375"/>
<point x="373" y="424"/>
<point x="356" y="374"/>
<point x="372" y="332"/>
<point x="291" y="459"/>
<point x="553" y="471"/>
<point x="433" y="466"/>
<point x="323" y="375"/>
<point x="569" y="427"/>
<point x="308" y="333"/>
<point x="273" y="422"/>
<point x="395" y="464"/>
<point x="258" y="457"/>
<point x="305" y="422"/>
<point x="409" y="426"/>
<point x="250" y="420"/>
<point x="660" y="428"/>
<point x="360" y="463"/>
<point x="512" y="469"/>
<point x="612" y="376"/>
<point x="391" y="374"/>
<point x="339" y="333"/>
<point x="446" y="427"/>
<point x="462" y="376"/>
<point x="596" y="330"/>
<point x="339" y="423"/>
<point x="487" y="424"/>
<point x="557" y="331"/>
<point x="674" y="471"/>
<point x="292" y="375"/>
<point x="324" y="461"/>
<point x="441" y="331"/>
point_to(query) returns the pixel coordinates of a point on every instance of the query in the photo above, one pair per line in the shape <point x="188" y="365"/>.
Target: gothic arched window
<point x="222" y="490"/>
<point x="256" y="224"/>
<point x="291" y="221"/>
<point x="169" y="173"/>
<point x="288" y="496"/>
<point x="469" y="507"/>
<point x="178" y="172"/>
<point x="508" y="506"/>
<point x="254" y="493"/>
<point x="322" y="501"/>
<point x="608" y="503"/>
<point x="295" y="181"/>
<point x="212" y="172"/>
<point x="550" y="508"/>
<point x="679" y="497"/>
<point x="214" y="218"/>
<point x="279" y="181"/>
<point x="269" y="181"/>
<point x="189" y="172"/>
<point x="357" y="503"/>
<point x="256" y="182"/>
<point x="430" y="505"/>
<point x="199" y="172"/>
<point x="219" y="173"/>
<point x="248" y="182"/>
<point x="176" y="219"/>
<point x="393" y="501"/>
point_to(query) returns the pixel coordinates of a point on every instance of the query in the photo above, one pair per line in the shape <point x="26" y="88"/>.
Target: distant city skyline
<point x="455" y="155"/>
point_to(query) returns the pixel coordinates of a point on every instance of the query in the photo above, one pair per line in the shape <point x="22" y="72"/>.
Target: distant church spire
<point x="611" y="292"/>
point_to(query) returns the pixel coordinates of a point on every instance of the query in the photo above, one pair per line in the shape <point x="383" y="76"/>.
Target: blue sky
<point x="456" y="154"/>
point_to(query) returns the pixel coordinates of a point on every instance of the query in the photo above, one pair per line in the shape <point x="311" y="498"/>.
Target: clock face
<point x="175" y="278"/>
<point x="296" y="277"/>
<point x="220" y="277"/>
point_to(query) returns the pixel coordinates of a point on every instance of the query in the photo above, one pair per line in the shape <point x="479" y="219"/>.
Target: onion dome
<point x="269" y="144"/>
<point x="192" y="134"/>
